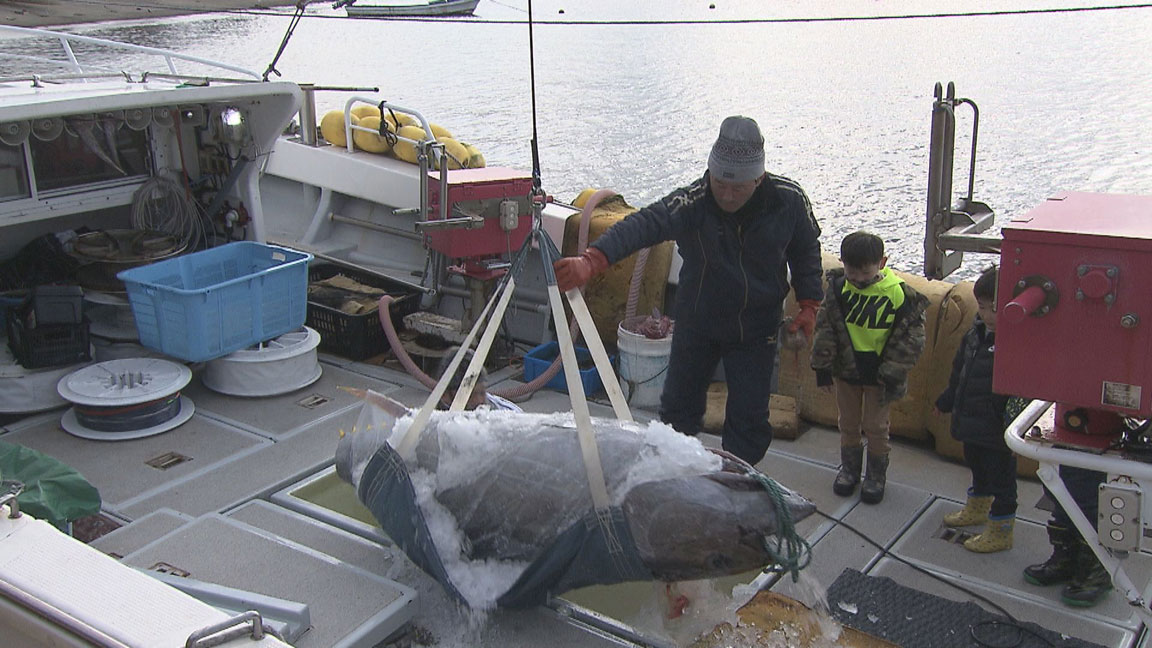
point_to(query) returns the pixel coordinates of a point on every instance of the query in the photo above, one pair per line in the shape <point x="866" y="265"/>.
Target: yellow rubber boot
<point x="997" y="536"/>
<point x="975" y="511"/>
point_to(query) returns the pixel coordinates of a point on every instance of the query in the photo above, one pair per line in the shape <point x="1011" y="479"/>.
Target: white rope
<point x="161" y="205"/>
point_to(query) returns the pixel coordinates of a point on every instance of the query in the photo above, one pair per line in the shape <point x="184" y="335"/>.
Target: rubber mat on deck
<point x="883" y="608"/>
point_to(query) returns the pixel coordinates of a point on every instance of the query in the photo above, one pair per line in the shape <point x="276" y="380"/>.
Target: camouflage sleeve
<point x="903" y="351"/>
<point x="824" y="339"/>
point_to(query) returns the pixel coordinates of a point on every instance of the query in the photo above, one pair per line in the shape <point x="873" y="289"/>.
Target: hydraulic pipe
<point x="1024" y="304"/>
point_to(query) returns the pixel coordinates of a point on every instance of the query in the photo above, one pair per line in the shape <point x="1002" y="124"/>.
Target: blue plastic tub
<point x="539" y="359"/>
<point x="208" y="304"/>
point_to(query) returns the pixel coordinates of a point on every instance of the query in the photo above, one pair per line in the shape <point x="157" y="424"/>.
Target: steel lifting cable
<point x="287" y="37"/>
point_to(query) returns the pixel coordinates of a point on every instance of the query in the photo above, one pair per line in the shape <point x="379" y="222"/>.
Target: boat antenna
<point x="299" y="13"/>
<point x="532" y="81"/>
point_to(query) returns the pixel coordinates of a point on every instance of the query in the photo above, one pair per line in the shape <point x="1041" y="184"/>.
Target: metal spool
<point x="271" y="368"/>
<point x="28" y="390"/>
<point x="125" y="399"/>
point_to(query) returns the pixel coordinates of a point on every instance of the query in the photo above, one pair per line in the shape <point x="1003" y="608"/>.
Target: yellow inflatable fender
<point x="405" y="150"/>
<point x="365" y="110"/>
<point x="475" y="158"/>
<point x="582" y="199"/>
<point x="372" y="142"/>
<point x="332" y="127"/>
<point x="439" y="132"/>
<point x="399" y="119"/>
<point x="457" y="153"/>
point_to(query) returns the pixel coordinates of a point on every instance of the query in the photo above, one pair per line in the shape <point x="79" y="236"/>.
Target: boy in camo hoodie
<point x="869" y="334"/>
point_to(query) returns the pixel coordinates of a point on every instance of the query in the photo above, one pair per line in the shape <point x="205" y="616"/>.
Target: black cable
<point x="734" y="21"/>
<point x="536" y="182"/>
<point x="1012" y="621"/>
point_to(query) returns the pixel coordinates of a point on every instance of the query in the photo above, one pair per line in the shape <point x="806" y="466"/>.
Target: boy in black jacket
<point x="978" y="422"/>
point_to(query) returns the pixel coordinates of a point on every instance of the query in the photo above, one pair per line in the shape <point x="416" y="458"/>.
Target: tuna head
<point x="706" y="526"/>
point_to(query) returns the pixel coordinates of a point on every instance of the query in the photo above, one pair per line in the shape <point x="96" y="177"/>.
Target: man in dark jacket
<point x="739" y="231"/>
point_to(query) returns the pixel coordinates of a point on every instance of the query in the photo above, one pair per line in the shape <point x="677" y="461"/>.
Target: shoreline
<point x="62" y="13"/>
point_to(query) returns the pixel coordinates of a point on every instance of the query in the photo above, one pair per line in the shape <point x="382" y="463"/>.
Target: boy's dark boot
<point x="1090" y="581"/>
<point x="1061" y="565"/>
<point x="872" y="490"/>
<point x="851" y="461"/>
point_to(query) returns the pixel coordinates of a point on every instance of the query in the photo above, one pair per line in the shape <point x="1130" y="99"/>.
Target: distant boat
<point x="430" y="8"/>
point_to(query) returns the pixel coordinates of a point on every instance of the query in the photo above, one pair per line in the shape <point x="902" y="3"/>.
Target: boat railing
<point x="88" y="72"/>
<point x="427" y="149"/>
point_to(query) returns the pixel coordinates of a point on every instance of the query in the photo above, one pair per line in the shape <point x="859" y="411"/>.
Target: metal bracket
<point x="245" y="624"/>
<point x="10" y="489"/>
<point x="952" y="231"/>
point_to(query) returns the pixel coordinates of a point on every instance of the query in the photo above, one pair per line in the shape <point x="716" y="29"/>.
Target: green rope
<point x="790" y="551"/>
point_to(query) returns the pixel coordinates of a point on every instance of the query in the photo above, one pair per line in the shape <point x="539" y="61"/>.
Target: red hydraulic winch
<point x="1074" y="321"/>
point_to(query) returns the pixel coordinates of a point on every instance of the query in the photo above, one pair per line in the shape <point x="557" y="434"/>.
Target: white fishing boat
<point x="414" y="9"/>
<point x="225" y="516"/>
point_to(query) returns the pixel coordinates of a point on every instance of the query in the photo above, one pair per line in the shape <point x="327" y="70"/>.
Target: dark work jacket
<point x="735" y="273"/>
<point x="977" y="412"/>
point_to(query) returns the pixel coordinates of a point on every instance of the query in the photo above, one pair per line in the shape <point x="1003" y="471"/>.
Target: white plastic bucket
<point x="643" y="366"/>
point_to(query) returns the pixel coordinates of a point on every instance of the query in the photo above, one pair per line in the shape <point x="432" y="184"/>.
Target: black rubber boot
<point x="851" y="460"/>
<point x="872" y="490"/>
<point x="1090" y="582"/>
<point x="1061" y="565"/>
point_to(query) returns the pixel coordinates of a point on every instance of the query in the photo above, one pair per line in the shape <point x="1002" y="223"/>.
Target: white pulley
<point x="28" y="390"/>
<point x="130" y="398"/>
<point x="271" y="368"/>
<point x="115" y="323"/>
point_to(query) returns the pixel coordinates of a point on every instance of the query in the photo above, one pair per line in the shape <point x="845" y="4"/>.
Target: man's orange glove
<point x="574" y="272"/>
<point x="806" y="318"/>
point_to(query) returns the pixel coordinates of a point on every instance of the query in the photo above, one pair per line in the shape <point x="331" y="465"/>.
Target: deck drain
<point x="167" y="460"/>
<point x="313" y="401"/>
<point x="954" y="536"/>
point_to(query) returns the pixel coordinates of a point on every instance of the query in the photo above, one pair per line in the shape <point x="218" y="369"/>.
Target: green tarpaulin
<point x="52" y="491"/>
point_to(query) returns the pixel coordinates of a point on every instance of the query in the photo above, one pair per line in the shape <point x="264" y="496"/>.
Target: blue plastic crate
<point x="539" y="359"/>
<point x="210" y="303"/>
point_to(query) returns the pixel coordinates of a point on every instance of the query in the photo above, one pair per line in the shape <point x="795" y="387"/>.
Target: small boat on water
<point x="430" y="8"/>
<point x="235" y="505"/>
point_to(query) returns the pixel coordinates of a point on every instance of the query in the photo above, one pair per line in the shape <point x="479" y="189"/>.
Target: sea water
<point x="844" y="105"/>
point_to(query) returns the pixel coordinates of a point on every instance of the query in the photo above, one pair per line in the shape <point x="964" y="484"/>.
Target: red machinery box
<point x="479" y="192"/>
<point x="1074" y="314"/>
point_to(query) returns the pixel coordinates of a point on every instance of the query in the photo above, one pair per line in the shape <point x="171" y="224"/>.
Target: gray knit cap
<point x="738" y="154"/>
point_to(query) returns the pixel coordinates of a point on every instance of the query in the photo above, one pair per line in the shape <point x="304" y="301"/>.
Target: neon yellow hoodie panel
<point x="869" y="313"/>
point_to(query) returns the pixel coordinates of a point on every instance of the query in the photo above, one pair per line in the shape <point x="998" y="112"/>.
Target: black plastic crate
<point x="358" y="336"/>
<point x="49" y="345"/>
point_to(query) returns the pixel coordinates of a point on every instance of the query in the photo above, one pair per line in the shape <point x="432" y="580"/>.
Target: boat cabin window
<point x="88" y="152"/>
<point x="13" y="173"/>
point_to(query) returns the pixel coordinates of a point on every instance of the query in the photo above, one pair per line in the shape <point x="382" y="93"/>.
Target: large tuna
<point x="515" y="486"/>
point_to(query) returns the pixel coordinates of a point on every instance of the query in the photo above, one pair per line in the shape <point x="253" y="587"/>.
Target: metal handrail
<point x="66" y="40"/>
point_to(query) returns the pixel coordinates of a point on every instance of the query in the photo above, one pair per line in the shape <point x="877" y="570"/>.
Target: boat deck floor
<point x="206" y="501"/>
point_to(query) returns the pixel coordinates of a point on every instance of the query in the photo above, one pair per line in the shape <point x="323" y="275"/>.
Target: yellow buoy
<point x="475" y="159"/>
<point x="366" y="110"/>
<point x="407" y="150"/>
<point x="457" y="152"/>
<point x="332" y="127"/>
<point x="398" y="119"/>
<point x="439" y="132"/>
<point x="583" y="197"/>
<point x="371" y="142"/>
